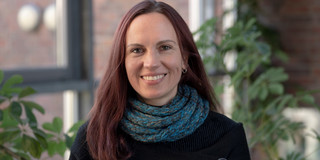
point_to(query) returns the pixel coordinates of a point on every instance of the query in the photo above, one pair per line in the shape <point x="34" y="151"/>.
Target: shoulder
<point x="229" y="138"/>
<point x="220" y="122"/>
<point x="79" y="149"/>
<point x="215" y="127"/>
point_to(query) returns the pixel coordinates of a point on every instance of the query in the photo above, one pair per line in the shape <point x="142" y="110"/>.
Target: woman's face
<point x="153" y="58"/>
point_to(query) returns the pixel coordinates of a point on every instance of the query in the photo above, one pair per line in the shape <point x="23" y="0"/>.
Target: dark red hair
<point x="104" y="137"/>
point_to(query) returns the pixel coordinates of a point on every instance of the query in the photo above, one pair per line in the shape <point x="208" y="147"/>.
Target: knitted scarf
<point x="171" y="122"/>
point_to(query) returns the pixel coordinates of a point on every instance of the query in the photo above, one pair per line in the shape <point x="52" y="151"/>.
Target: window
<point x="51" y="61"/>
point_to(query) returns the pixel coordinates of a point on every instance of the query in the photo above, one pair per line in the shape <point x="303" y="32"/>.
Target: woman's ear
<point x="185" y="62"/>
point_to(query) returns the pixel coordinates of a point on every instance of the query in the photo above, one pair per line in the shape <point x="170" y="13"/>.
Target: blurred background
<point x="61" y="49"/>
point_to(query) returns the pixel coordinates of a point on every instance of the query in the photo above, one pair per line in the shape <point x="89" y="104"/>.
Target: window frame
<point x="74" y="42"/>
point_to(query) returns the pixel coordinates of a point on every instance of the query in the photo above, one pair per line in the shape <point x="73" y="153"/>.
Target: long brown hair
<point x="104" y="137"/>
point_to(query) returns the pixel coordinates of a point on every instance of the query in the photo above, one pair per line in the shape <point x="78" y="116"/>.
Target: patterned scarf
<point x="171" y="122"/>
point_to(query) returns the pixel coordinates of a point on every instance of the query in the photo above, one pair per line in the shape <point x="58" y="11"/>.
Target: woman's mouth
<point x="153" y="78"/>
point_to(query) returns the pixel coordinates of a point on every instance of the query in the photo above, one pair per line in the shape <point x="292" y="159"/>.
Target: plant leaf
<point x="57" y="124"/>
<point x="34" y="105"/>
<point x="219" y="89"/>
<point x="2" y="100"/>
<point x="276" y="75"/>
<point x="75" y="127"/>
<point x="24" y="156"/>
<point x="32" y="146"/>
<point x="264" y="93"/>
<point x="1" y="76"/>
<point x="8" y="136"/>
<point x="317" y="135"/>
<point x="13" y="80"/>
<point x="5" y="157"/>
<point x="285" y="100"/>
<point x="281" y="55"/>
<point x="295" y="156"/>
<point x="42" y="140"/>
<point x="48" y="126"/>
<point x="263" y="47"/>
<point x="39" y="132"/>
<point x="8" y="121"/>
<point x="69" y="141"/>
<point x="61" y="148"/>
<point x="276" y="88"/>
<point x="1" y="115"/>
<point x="26" y="92"/>
<point x="51" y="148"/>
<point x="32" y="120"/>
<point x="308" y="99"/>
<point x="16" y="110"/>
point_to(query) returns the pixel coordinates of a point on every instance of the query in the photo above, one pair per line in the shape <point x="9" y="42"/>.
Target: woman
<point x="154" y="99"/>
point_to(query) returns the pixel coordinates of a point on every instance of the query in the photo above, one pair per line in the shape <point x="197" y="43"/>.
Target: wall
<point x="24" y="49"/>
<point x="298" y="23"/>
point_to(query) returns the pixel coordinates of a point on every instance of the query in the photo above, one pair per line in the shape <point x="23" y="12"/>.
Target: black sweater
<point x="217" y="138"/>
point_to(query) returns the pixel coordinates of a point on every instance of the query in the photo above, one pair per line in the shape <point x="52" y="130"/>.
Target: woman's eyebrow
<point x="134" y="45"/>
<point x="165" y="41"/>
<point x="140" y="45"/>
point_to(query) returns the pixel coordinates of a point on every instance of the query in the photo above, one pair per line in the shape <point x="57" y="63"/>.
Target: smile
<point x="153" y="78"/>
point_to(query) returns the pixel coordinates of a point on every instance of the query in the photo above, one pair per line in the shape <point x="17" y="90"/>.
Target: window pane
<point x="20" y="48"/>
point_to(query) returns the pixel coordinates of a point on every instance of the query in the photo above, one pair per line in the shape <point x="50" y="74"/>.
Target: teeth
<point x="152" y="78"/>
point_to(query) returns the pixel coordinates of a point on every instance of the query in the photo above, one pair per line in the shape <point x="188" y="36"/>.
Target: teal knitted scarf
<point x="171" y="122"/>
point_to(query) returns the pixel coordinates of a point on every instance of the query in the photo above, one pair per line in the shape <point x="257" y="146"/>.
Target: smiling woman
<point x="154" y="100"/>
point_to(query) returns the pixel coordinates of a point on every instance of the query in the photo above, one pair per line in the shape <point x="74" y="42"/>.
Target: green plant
<point x="21" y="138"/>
<point x="259" y="95"/>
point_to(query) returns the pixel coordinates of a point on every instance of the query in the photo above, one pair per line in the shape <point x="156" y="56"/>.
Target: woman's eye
<point x="165" y="47"/>
<point x="137" y="50"/>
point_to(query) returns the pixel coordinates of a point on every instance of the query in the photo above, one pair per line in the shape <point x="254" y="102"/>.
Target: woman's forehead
<point x="151" y="25"/>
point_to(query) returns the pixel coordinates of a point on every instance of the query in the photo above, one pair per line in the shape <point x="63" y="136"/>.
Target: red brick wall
<point x="24" y="49"/>
<point x="298" y="22"/>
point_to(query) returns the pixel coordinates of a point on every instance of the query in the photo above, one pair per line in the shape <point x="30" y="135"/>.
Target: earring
<point x="184" y="71"/>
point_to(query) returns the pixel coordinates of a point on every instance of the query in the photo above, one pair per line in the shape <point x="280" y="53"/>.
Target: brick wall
<point x="298" y="22"/>
<point x="24" y="49"/>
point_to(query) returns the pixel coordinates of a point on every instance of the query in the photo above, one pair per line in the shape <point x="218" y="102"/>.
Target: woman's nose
<point x="152" y="59"/>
